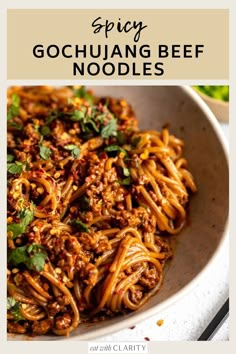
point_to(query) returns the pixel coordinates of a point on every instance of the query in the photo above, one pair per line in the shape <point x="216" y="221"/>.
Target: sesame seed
<point x="16" y="195"/>
<point x="72" y="132"/>
<point x="15" y="270"/>
<point x="10" y="234"/>
<point x="57" y="175"/>
<point x="160" y="322"/>
<point x="9" y="219"/>
<point x="40" y="190"/>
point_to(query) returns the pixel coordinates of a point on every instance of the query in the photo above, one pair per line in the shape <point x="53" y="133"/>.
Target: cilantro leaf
<point x="52" y="116"/>
<point x="16" y="229"/>
<point x="135" y="140"/>
<point x="14" y="108"/>
<point x="45" y="130"/>
<point x="84" y="202"/>
<point x="125" y="182"/>
<point x="26" y="216"/>
<point x="10" y="158"/>
<point x="109" y="129"/>
<point x="121" y="138"/>
<point x="80" y="225"/>
<point x="83" y="93"/>
<point x="18" y="255"/>
<point x="10" y="302"/>
<point x="37" y="261"/>
<point x="113" y="148"/>
<point x="15" y="309"/>
<point x="44" y="152"/>
<point x="126" y="172"/>
<point x="14" y="125"/>
<point x="15" y="167"/>
<point x="33" y="256"/>
<point x="77" y="115"/>
<point x="75" y="151"/>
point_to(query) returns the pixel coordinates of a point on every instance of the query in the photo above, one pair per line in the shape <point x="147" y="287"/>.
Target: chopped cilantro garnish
<point x="115" y="148"/>
<point x="80" y="225"/>
<point x="33" y="256"/>
<point x="121" y="138"/>
<point x="44" y="152"/>
<point x="15" y="309"/>
<point x="135" y="140"/>
<point x="83" y="93"/>
<point x="45" y="130"/>
<point x="77" y="115"/>
<point x="126" y="172"/>
<point x="14" y="108"/>
<point x="52" y="116"/>
<point x="10" y="158"/>
<point x="74" y="150"/>
<point x="26" y="216"/>
<point x="109" y="129"/>
<point x="84" y="202"/>
<point x="125" y="182"/>
<point x="17" y="167"/>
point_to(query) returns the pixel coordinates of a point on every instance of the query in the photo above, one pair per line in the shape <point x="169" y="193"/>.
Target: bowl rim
<point x="212" y="100"/>
<point x="94" y="334"/>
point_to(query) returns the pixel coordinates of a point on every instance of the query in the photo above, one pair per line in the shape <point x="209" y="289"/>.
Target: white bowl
<point x="219" y="108"/>
<point x="188" y="118"/>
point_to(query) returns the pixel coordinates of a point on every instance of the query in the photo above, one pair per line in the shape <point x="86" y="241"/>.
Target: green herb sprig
<point x="26" y="216"/>
<point x="33" y="256"/>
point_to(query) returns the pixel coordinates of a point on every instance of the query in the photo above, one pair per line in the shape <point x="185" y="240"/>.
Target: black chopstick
<point x="216" y="323"/>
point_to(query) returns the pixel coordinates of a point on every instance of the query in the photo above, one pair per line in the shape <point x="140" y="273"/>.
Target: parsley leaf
<point x="44" y="152"/>
<point x="109" y="129"/>
<point x="33" y="256"/>
<point x="80" y="225"/>
<point x="15" y="309"/>
<point x="75" y="151"/>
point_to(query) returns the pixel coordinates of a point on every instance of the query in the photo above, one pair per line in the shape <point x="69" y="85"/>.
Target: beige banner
<point x="127" y="44"/>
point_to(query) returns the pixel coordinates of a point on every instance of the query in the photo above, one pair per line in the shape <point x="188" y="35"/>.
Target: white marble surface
<point x="187" y="319"/>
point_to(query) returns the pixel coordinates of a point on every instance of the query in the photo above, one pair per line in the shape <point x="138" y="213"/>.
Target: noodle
<point x="91" y="202"/>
